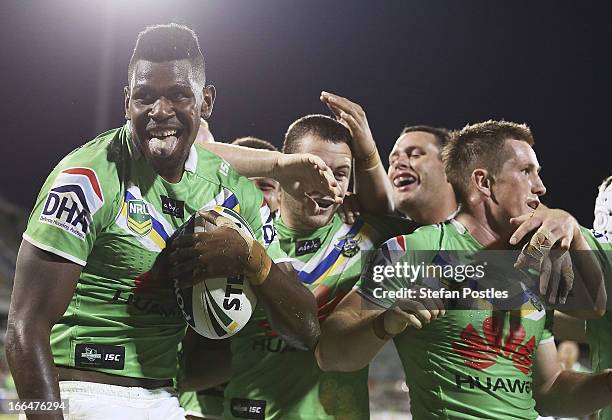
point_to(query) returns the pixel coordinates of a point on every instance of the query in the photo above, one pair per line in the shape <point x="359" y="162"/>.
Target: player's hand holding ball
<point x="218" y="248"/>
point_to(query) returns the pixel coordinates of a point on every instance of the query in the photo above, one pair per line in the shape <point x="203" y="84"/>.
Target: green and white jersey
<point x="470" y="364"/>
<point x="599" y="331"/>
<point x="272" y="379"/>
<point x="104" y="208"/>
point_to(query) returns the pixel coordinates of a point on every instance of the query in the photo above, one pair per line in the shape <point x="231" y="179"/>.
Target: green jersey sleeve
<point x="76" y="201"/>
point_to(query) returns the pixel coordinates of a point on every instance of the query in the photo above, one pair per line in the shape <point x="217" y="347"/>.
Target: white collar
<point x="191" y="163"/>
<point x="460" y="228"/>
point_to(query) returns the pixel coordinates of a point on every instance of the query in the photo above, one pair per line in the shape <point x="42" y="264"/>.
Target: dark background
<point x="447" y="63"/>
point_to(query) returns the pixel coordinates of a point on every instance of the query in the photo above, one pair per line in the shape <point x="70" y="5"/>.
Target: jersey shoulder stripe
<point x="322" y="262"/>
<point x="91" y="176"/>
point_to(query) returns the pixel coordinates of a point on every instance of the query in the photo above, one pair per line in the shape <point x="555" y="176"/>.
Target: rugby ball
<point x="216" y="308"/>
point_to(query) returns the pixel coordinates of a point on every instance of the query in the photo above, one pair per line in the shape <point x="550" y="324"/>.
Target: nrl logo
<point x="348" y="246"/>
<point x="138" y="217"/>
<point x="91" y="354"/>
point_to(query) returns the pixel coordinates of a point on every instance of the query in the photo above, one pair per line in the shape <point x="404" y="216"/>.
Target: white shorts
<point x="93" y="401"/>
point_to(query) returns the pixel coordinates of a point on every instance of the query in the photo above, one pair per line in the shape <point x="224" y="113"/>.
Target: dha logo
<point x="91" y="354"/>
<point x="62" y="210"/>
<point x="138" y="217"/>
<point x="481" y="352"/>
<point x="73" y="199"/>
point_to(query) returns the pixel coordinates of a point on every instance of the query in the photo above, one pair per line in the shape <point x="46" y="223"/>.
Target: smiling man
<point x="421" y="191"/>
<point x="473" y="360"/>
<point x="271" y="378"/>
<point x="92" y="319"/>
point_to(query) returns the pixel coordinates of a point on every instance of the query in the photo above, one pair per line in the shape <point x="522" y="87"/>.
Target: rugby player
<point x="207" y="403"/>
<point x="87" y="321"/>
<point x="327" y="254"/>
<point x="268" y="374"/>
<point x="421" y="191"/>
<point x="471" y="363"/>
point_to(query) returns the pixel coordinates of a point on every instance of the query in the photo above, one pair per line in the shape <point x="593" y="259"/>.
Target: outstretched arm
<point x="299" y="174"/>
<point x="373" y="188"/>
<point x="357" y="329"/>
<point x="566" y="393"/>
<point x="348" y="341"/>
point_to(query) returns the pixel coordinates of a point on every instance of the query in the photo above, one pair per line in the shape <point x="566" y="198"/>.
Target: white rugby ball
<point x="217" y="308"/>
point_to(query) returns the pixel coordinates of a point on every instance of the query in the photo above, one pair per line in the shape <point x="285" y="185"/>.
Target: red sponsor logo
<point x="481" y="352"/>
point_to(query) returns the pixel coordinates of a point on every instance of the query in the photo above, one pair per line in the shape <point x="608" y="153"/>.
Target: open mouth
<point x="163" y="141"/>
<point x="533" y="204"/>
<point x="324" y="203"/>
<point x="163" y="133"/>
<point x="404" y="181"/>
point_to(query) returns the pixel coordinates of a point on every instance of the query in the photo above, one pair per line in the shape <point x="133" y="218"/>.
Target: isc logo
<point x="233" y="291"/>
<point x="111" y="357"/>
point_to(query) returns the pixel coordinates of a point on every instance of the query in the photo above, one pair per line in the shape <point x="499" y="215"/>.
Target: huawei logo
<point x="481" y="352"/>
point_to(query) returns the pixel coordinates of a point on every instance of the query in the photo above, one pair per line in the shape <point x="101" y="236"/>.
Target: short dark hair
<point x="255" y="143"/>
<point x="321" y="126"/>
<point x="442" y="135"/>
<point x="159" y="43"/>
<point x="480" y="145"/>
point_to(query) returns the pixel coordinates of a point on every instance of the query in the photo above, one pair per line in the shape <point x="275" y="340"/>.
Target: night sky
<point x="446" y="63"/>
